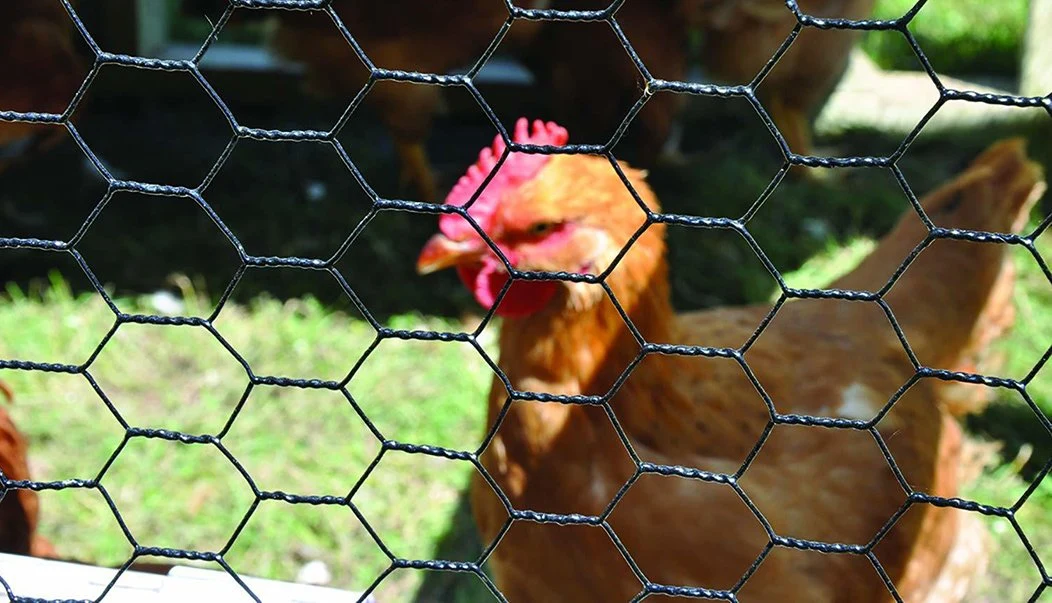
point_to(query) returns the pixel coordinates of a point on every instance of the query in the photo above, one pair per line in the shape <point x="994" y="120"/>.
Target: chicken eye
<point x="541" y="228"/>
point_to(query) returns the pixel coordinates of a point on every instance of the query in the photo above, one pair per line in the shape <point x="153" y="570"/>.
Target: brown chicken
<point x="19" y="509"/>
<point x="741" y="36"/>
<point x="40" y="71"/>
<point x="411" y="35"/>
<point x="817" y="358"/>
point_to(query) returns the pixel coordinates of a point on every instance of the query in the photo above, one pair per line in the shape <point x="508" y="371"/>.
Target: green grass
<point x="311" y="442"/>
<point x="308" y="442"/>
<point x="960" y="37"/>
<point x="1012" y="575"/>
<point x="827" y="266"/>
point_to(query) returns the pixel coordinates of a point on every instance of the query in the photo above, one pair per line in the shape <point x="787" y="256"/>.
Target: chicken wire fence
<point x="381" y="204"/>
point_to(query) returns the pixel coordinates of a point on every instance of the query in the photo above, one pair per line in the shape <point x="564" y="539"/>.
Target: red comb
<point x="516" y="169"/>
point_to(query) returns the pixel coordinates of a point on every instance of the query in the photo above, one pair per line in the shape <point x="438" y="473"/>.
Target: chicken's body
<point x="817" y="358"/>
<point x="741" y="36"/>
<point x="19" y="509"/>
<point x="677" y="411"/>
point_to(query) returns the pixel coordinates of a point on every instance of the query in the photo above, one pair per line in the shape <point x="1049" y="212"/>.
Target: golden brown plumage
<point x="823" y="358"/>
<point x="741" y="36"/>
<point x="19" y="509"/>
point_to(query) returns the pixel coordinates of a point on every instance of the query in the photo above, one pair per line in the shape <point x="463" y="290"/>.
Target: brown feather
<point x="19" y="509"/>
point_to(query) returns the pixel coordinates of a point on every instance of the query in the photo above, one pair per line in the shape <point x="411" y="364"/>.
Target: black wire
<point x="467" y="82"/>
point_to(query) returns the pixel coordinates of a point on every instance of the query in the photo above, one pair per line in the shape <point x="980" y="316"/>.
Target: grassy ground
<point x="312" y="442"/>
<point x="299" y="441"/>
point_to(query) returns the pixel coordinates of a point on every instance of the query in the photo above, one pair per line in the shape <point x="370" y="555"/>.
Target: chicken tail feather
<point x="955" y="297"/>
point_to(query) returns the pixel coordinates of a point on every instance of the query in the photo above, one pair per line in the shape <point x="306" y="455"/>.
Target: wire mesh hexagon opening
<point x="790" y="450"/>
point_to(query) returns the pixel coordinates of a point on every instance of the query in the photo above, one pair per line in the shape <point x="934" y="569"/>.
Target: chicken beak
<point x="442" y="252"/>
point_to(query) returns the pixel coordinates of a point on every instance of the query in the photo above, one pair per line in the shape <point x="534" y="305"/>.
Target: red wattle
<point x="523" y="298"/>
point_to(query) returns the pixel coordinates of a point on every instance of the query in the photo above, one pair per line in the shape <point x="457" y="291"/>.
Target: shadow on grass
<point x="1015" y="426"/>
<point x="460" y="541"/>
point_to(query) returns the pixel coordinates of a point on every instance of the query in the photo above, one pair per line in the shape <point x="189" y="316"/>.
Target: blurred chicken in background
<point x="40" y="71"/>
<point x="739" y="37"/>
<point x="19" y="509"/>
<point x="589" y="82"/>
<point x="584" y="77"/>
<point x="409" y="35"/>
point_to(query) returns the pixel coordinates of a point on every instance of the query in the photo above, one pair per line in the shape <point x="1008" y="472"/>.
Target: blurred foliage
<point x="958" y="37"/>
<point x="188" y="26"/>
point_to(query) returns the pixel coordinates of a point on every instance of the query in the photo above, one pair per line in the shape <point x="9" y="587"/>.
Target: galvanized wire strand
<point x="198" y="195"/>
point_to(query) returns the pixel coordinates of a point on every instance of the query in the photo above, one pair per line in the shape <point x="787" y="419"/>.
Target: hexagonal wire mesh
<point x="642" y="468"/>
